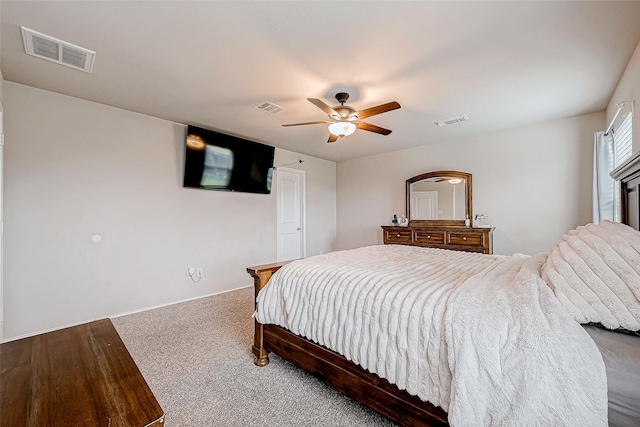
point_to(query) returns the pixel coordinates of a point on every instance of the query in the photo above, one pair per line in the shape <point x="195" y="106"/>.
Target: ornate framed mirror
<point x="439" y="198"/>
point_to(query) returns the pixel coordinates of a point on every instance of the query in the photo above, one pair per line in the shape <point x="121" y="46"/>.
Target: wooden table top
<point x="78" y="376"/>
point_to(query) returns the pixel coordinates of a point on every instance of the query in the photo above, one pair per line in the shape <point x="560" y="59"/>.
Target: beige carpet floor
<point x="196" y="357"/>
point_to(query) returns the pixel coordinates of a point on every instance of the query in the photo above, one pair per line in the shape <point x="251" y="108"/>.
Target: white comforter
<point x="481" y="336"/>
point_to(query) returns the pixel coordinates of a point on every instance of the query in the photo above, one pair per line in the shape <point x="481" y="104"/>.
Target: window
<point x="622" y="141"/>
<point x="622" y="146"/>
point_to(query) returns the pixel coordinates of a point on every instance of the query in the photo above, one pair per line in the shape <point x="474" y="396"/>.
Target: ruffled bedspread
<point x="481" y="336"/>
<point x="595" y="273"/>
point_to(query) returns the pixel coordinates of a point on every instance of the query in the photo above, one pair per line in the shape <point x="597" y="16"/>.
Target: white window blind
<point x="622" y="145"/>
<point x="622" y="141"/>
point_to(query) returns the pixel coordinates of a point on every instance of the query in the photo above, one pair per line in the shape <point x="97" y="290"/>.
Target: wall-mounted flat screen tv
<point x="215" y="161"/>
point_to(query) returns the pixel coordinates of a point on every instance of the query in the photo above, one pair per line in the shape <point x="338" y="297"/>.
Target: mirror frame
<point x="447" y="222"/>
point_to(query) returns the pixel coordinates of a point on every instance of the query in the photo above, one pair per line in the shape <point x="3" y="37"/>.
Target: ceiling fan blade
<point x="305" y="123"/>
<point x="332" y="138"/>
<point x="324" y="107"/>
<point x="373" y="128"/>
<point x="368" y="112"/>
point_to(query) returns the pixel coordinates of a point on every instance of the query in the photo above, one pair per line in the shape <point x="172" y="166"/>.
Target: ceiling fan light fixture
<point x="343" y="128"/>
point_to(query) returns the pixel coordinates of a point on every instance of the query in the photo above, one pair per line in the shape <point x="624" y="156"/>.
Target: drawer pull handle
<point x="464" y="238"/>
<point x="398" y="235"/>
<point x="428" y="237"/>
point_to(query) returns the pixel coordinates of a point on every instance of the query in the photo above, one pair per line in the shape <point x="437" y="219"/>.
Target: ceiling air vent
<point x="453" y="120"/>
<point x="52" y="49"/>
<point x="270" y="107"/>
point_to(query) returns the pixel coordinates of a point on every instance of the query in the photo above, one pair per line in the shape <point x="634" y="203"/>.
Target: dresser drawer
<point x="465" y="238"/>
<point x="401" y="237"/>
<point x="456" y="238"/>
<point x="427" y="237"/>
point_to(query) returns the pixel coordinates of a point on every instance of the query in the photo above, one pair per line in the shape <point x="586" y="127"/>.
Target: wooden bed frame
<point x="365" y="387"/>
<point x="338" y="372"/>
<point x="628" y="175"/>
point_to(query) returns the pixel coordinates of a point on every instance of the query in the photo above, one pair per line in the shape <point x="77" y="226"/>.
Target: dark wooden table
<point x="78" y="376"/>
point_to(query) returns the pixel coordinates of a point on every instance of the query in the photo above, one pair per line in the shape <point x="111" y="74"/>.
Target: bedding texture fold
<point x="594" y="271"/>
<point x="481" y="336"/>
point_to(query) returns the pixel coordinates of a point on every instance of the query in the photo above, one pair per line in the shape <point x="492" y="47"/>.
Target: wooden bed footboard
<point x="261" y="275"/>
<point x="338" y="372"/>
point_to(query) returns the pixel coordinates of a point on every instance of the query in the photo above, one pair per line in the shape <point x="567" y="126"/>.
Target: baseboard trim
<point x="116" y="315"/>
<point x="177" y="302"/>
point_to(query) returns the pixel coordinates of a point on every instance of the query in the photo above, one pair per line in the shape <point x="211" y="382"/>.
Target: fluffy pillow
<point x="595" y="273"/>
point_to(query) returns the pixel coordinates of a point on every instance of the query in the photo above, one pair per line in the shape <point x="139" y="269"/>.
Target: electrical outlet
<point x="195" y="274"/>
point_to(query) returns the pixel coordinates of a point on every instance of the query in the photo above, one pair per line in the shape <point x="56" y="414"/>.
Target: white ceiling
<point x="504" y="64"/>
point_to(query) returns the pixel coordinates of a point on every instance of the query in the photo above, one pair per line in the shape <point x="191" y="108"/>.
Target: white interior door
<point x="424" y="205"/>
<point x="291" y="232"/>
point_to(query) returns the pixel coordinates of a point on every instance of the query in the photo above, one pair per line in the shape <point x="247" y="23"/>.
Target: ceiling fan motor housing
<point x="346" y="113"/>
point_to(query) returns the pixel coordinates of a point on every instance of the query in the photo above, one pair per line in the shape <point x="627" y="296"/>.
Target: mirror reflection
<point x="438" y="198"/>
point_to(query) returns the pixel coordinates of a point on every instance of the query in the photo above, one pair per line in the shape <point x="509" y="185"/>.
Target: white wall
<point x="76" y="168"/>
<point x="628" y="89"/>
<point x="533" y="182"/>
<point x="1" y="203"/>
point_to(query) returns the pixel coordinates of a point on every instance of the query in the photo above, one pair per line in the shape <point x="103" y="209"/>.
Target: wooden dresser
<point x="457" y="238"/>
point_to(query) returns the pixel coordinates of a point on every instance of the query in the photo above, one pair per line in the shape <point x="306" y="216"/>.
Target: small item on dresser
<point x="479" y="219"/>
<point x="467" y="222"/>
<point x="403" y="221"/>
<point x="394" y="221"/>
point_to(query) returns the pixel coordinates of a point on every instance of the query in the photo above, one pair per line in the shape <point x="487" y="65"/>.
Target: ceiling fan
<point x="343" y="120"/>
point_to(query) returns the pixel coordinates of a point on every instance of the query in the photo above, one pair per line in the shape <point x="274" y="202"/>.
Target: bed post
<point x="261" y="275"/>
